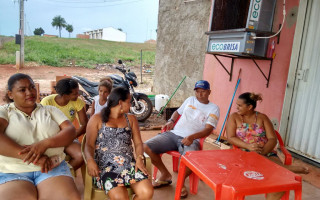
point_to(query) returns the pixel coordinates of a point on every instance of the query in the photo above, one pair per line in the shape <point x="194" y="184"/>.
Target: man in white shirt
<point x="198" y="118"/>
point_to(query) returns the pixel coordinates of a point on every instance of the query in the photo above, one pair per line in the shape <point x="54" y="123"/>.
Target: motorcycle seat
<point x="116" y="79"/>
<point x="86" y="82"/>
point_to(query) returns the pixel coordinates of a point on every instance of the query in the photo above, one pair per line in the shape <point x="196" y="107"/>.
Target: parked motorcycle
<point x="141" y="105"/>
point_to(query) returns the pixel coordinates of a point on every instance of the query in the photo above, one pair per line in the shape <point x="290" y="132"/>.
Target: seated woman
<point x="32" y="139"/>
<point x="109" y="150"/>
<point x="68" y="102"/>
<point x="253" y="131"/>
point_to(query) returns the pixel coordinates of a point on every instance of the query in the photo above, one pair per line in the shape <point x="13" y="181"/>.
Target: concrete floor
<point x="310" y="185"/>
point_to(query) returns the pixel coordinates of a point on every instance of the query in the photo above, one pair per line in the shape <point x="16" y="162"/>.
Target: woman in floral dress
<point x="109" y="150"/>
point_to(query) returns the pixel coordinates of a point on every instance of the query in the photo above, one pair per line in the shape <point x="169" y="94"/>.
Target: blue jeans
<point x="36" y="177"/>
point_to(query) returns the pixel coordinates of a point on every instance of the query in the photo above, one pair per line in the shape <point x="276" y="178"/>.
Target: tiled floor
<point x="309" y="189"/>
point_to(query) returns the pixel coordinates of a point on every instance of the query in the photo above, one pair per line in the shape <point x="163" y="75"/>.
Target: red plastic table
<point x="234" y="174"/>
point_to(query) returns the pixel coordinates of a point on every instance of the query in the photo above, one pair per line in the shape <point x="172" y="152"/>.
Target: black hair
<point x="65" y="86"/>
<point x="106" y="82"/>
<point x="114" y="97"/>
<point x="251" y="98"/>
<point x="12" y="80"/>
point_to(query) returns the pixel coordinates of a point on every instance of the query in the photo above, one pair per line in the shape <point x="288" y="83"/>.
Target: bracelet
<point x="171" y="120"/>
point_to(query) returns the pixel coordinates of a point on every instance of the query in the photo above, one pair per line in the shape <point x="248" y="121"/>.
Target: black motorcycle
<point x="141" y="106"/>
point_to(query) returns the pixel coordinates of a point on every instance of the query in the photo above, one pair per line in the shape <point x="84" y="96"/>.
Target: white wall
<point x="109" y="33"/>
<point x="113" y="34"/>
<point x="181" y="47"/>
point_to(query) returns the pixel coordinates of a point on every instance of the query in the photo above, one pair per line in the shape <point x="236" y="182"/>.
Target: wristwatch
<point x="171" y="120"/>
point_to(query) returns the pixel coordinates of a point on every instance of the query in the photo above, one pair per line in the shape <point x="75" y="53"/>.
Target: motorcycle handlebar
<point x="120" y="69"/>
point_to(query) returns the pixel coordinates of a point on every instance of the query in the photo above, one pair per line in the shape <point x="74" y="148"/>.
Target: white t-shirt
<point x="43" y="123"/>
<point x="195" y="116"/>
<point x="97" y="106"/>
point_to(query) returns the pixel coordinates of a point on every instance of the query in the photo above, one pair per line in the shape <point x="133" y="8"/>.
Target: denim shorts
<point x="36" y="177"/>
<point x="169" y="141"/>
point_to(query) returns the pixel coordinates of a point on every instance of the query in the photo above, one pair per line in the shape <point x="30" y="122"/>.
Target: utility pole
<point x="21" y="32"/>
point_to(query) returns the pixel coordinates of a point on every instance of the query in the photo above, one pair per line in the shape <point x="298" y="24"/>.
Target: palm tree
<point x="69" y="28"/>
<point x="59" y="22"/>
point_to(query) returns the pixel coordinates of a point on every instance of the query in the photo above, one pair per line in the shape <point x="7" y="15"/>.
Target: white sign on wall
<point x="255" y="11"/>
<point x="225" y="47"/>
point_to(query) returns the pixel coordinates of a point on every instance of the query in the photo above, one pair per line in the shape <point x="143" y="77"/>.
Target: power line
<point x="90" y="2"/>
<point x="29" y="29"/>
<point x="98" y="6"/>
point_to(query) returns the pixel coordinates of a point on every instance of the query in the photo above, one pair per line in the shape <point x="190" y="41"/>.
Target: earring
<point x="121" y="111"/>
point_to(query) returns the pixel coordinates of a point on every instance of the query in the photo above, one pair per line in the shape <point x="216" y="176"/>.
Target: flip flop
<point x="158" y="183"/>
<point x="184" y="193"/>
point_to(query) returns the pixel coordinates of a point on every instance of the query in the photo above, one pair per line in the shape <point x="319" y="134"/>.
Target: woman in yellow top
<point x="68" y="102"/>
<point x="32" y="139"/>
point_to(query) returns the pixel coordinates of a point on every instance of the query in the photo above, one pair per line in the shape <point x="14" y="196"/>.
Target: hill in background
<point x="77" y="52"/>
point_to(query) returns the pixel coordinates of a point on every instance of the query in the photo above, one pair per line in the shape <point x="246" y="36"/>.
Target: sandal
<point x="158" y="183"/>
<point x="184" y="193"/>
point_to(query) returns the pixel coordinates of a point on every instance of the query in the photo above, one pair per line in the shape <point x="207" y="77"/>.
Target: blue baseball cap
<point x="202" y="84"/>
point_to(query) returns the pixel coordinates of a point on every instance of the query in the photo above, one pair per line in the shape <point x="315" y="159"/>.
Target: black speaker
<point x="18" y="39"/>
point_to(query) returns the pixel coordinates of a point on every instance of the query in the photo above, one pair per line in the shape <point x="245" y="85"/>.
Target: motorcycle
<point x="141" y="105"/>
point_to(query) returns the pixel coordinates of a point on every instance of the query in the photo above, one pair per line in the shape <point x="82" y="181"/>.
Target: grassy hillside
<point x="83" y="52"/>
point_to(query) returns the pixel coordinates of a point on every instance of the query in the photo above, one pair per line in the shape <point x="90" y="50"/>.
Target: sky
<point x="137" y="18"/>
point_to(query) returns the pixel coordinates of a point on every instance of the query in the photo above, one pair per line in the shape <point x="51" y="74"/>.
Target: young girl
<point x="109" y="150"/>
<point x="100" y="101"/>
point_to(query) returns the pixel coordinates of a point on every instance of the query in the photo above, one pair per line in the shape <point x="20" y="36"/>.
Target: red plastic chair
<point x="194" y="179"/>
<point x="287" y="159"/>
<point x="287" y="155"/>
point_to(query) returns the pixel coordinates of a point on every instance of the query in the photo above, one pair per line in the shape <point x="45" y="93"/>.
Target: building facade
<point x="290" y="96"/>
<point x="181" y="45"/>
<point x="109" y="33"/>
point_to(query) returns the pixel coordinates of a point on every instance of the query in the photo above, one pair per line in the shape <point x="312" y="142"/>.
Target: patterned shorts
<point x="110" y="180"/>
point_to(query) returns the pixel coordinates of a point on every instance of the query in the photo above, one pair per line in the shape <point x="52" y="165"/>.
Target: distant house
<point x="109" y="33"/>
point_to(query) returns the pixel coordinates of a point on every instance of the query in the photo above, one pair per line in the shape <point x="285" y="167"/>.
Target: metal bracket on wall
<point x="231" y="69"/>
<point x="253" y="58"/>
<point x="267" y="78"/>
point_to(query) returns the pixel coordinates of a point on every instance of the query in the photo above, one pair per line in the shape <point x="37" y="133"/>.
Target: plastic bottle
<point x="271" y="49"/>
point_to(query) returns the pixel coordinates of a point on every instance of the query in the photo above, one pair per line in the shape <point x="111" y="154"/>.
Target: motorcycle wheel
<point x="145" y="109"/>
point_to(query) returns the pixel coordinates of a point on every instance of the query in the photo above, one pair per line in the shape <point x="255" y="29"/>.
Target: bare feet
<point x="299" y="169"/>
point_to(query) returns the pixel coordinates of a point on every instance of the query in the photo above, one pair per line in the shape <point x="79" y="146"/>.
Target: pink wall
<point x="251" y="78"/>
